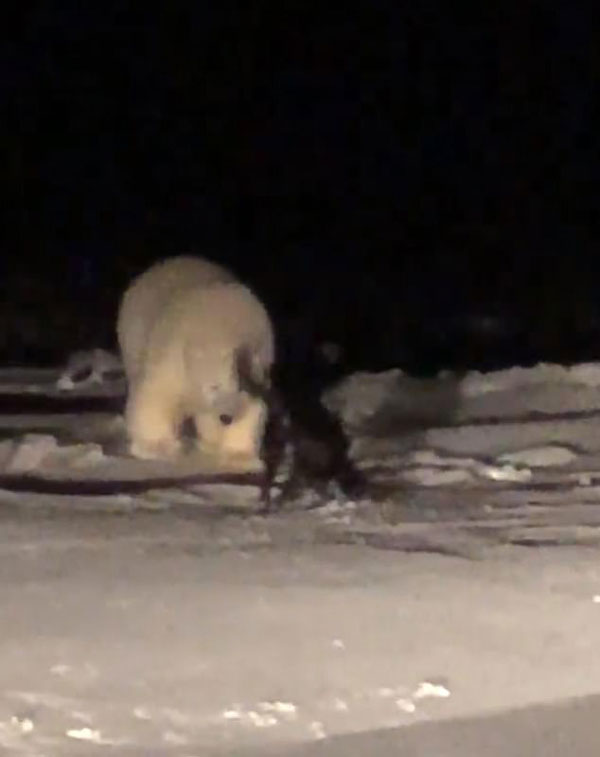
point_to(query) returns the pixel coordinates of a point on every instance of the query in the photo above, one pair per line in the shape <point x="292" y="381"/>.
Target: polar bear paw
<point x="156" y="449"/>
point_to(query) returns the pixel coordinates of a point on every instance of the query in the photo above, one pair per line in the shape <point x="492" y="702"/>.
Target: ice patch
<point x="375" y="401"/>
<point x="540" y="457"/>
<point x="22" y="724"/>
<point x="359" y="396"/>
<point x="427" y="689"/>
<point x="89" y="367"/>
<point x="476" y="383"/>
<point x="317" y="730"/>
<point x="281" y="708"/>
<point x="172" y="737"/>
<point x="434" y="469"/>
<point x="587" y="374"/>
<point x="30" y="452"/>
<point x="85" y="734"/>
<point x="437" y="476"/>
<point x="506" y="473"/>
<point x="406" y="705"/>
<point x="33" y="452"/>
<point x="339" y="705"/>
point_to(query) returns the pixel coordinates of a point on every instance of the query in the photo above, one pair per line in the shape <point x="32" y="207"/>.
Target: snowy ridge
<point x="475" y="436"/>
<point x="513" y="393"/>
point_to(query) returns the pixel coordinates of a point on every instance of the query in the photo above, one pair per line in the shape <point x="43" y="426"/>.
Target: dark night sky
<point x="441" y="159"/>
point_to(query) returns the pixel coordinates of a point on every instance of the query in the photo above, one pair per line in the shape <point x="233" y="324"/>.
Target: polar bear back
<point x="146" y="298"/>
<point x="212" y="323"/>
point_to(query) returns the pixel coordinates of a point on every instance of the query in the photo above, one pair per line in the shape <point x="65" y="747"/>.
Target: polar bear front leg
<point x="153" y="422"/>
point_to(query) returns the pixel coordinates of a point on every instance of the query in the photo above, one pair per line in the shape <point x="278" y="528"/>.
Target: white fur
<point x="148" y="295"/>
<point x="180" y="325"/>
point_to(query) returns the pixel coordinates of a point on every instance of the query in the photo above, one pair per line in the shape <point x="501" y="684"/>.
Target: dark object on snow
<point x="298" y="420"/>
<point x="40" y="484"/>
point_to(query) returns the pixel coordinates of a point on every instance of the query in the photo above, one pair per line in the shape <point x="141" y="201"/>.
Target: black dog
<point x="298" y="420"/>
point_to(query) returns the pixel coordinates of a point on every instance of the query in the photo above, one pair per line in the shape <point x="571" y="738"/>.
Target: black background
<point x="378" y="176"/>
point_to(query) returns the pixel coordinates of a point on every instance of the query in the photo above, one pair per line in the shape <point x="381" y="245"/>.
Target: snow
<point x="160" y="615"/>
<point x="513" y="393"/>
<point x="89" y="367"/>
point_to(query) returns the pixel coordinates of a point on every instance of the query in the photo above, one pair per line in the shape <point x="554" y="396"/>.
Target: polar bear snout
<point x="226" y="419"/>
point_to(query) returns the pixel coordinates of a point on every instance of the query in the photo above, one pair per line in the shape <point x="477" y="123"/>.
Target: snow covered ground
<point x="145" y="616"/>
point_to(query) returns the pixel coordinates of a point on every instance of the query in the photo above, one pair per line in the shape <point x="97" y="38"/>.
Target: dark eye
<point x="225" y="419"/>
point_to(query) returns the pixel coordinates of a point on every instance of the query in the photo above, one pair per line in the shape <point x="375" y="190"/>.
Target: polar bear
<point x="181" y="327"/>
